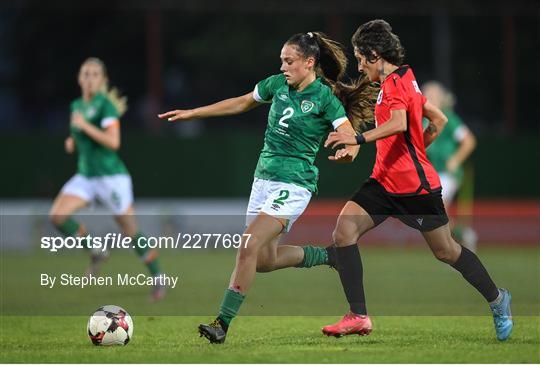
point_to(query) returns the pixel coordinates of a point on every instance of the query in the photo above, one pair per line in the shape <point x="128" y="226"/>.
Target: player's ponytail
<point x="332" y="59"/>
<point x="118" y="100"/>
<point x="357" y="96"/>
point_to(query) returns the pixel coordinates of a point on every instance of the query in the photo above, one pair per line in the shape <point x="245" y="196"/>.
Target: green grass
<point x="422" y="311"/>
<point x="275" y="340"/>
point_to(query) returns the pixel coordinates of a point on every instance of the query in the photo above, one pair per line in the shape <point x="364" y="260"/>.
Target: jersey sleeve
<point x="109" y="114"/>
<point x="264" y="90"/>
<point x="334" y="111"/>
<point x="394" y="94"/>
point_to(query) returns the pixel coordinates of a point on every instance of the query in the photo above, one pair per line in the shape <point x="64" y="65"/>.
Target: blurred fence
<point x="24" y="222"/>
<point x="217" y="165"/>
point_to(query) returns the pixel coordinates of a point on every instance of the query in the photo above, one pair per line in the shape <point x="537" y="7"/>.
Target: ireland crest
<point x="306" y="106"/>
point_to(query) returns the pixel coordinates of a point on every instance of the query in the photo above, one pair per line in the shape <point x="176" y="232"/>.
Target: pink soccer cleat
<point x="350" y="324"/>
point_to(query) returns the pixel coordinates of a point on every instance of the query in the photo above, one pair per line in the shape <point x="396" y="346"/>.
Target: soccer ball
<point x="110" y="325"/>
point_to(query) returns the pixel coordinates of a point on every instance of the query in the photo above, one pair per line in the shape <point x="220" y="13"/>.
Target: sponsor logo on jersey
<point x="306" y="106"/>
<point x="276" y="206"/>
<point x="379" y="97"/>
<point x="283" y="97"/>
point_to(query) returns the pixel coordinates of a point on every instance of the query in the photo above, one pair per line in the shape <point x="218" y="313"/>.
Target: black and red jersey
<point x="401" y="165"/>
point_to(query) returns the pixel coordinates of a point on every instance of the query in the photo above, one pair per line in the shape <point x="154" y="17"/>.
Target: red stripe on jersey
<point x="401" y="165"/>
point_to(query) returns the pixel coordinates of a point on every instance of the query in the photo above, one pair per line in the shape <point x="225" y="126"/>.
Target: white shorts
<point x="114" y="191"/>
<point x="278" y="199"/>
<point x="449" y="187"/>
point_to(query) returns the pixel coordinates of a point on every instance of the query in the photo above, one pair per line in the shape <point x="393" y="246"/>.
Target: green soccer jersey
<point x="297" y="124"/>
<point x="447" y="143"/>
<point x="94" y="158"/>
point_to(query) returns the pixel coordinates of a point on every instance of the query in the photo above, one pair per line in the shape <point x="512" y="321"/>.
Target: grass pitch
<point x="422" y="311"/>
<point x="275" y="340"/>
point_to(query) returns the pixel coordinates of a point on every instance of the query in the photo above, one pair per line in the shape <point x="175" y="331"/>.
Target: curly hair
<point x="376" y="36"/>
<point x="357" y="96"/>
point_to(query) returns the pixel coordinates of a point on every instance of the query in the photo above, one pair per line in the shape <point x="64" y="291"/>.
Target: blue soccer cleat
<point x="502" y="316"/>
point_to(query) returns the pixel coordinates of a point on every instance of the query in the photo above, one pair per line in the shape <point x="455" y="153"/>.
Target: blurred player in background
<point x="403" y="184"/>
<point x="448" y="152"/>
<point x="101" y="174"/>
<point x="304" y="107"/>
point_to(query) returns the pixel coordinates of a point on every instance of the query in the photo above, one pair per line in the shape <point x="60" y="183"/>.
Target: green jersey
<point x="94" y="158"/>
<point x="297" y="124"/>
<point x="447" y="143"/>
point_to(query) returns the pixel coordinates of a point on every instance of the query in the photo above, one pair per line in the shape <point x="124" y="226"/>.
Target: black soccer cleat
<point x="214" y="331"/>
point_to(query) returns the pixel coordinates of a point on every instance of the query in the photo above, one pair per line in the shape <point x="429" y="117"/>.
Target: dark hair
<point x="358" y="97"/>
<point x="376" y="35"/>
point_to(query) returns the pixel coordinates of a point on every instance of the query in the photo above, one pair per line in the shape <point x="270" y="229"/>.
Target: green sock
<point x="230" y="305"/>
<point x="70" y="228"/>
<point x="149" y="256"/>
<point x="314" y="256"/>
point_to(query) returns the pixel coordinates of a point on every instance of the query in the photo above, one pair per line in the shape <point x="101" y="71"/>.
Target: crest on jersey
<point x="379" y="97"/>
<point x="90" y="112"/>
<point x="306" y="106"/>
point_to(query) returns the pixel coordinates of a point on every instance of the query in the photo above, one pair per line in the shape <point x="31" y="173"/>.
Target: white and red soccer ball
<point x="110" y="325"/>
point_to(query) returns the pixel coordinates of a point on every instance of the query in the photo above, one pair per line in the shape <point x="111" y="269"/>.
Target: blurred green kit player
<point x="101" y="175"/>
<point x="448" y="152"/>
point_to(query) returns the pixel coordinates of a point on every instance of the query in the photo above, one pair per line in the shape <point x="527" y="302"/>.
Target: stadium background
<point x="181" y="54"/>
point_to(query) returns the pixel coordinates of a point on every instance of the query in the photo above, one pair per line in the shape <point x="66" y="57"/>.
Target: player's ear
<point x="310" y="62"/>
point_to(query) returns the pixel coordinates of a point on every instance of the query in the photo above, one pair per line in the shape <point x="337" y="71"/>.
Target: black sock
<point x="332" y="256"/>
<point x="223" y="324"/>
<point x="476" y="274"/>
<point x="351" y="274"/>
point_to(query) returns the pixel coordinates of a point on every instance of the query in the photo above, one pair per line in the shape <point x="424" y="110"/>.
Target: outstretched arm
<point x="232" y="106"/>
<point x="437" y="121"/>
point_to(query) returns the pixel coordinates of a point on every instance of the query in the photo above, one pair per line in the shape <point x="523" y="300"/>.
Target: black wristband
<point x="360" y="139"/>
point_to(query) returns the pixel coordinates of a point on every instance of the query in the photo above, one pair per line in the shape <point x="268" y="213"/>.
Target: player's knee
<point x="248" y="250"/>
<point x="344" y="235"/>
<point x="57" y="219"/>
<point x="445" y="255"/>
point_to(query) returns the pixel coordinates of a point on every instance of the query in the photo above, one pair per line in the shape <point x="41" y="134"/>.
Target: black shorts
<point x="422" y="212"/>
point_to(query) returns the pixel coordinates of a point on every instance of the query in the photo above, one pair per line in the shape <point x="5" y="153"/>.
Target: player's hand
<point x="69" y="145"/>
<point x="77" y="120"/>
<point x="338" y="138"/>
<point x="343" y="155"/>
<point x="452" y="165"/>
<point x="175" y="115"/>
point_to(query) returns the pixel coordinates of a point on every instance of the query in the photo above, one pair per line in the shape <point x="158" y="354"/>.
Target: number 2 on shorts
<point x="283" y="195"/>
